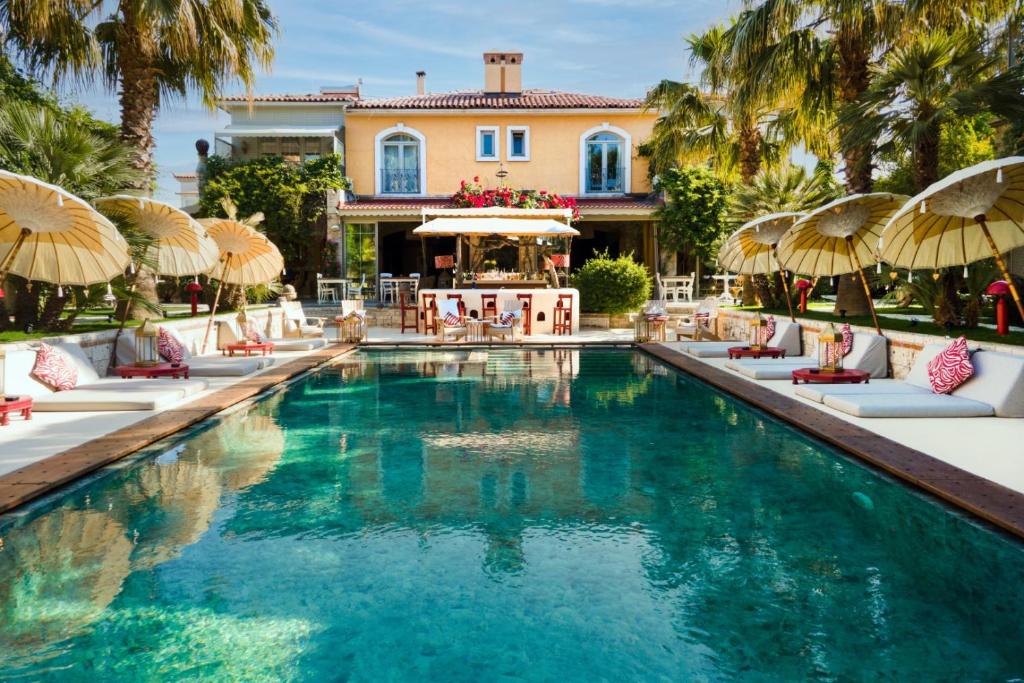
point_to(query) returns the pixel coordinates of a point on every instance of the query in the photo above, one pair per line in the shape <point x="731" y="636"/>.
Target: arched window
<point x="605" y="161"/>
<point x="400" y="161"/>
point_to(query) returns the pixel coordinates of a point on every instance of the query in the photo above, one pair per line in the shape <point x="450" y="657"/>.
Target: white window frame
<point x="627" y="149"/>
<point x="525" y="130"/>
<point x="378" y="159"/>
<point x="495" y="131"/>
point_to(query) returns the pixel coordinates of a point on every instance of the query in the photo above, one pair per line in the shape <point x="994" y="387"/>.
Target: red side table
<point x="20" y="404"/>
<point x="816" y="376"/>
<point x="153" y="371"/>
<point x="264" y="348"/>
<point x="762" y="352"/>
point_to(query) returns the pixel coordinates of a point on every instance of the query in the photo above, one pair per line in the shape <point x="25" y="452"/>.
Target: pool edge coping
<point x="45" y="476"/>
<point x="983" y="498"/>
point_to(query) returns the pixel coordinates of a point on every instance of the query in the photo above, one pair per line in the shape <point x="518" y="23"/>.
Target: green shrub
<point x="608" y="285"/>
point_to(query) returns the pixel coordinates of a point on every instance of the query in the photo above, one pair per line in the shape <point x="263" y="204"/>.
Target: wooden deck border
<point x="986" y="499"/>
<point x="32" y="481"/>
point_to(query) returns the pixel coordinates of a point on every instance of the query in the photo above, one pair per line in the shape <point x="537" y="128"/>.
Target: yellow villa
<point x="407" y="154"/>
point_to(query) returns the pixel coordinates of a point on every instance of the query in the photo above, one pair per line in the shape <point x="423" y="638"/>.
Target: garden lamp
<point x="1000" y="289"/>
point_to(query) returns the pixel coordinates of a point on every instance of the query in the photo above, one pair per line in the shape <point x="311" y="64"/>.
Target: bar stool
<point x="403" y="307"/>
<point x="563" y="314"/>
<point x="488" y="306"/>
<point x="527" y="300"/>
<point x="429" y="314"/>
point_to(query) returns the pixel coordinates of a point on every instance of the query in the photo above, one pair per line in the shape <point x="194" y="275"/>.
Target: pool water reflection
<point x="518" y="514"/>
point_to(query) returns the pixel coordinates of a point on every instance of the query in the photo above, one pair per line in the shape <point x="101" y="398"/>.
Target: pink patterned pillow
<point x="506" y="318"/>
<point x="54" y="369"/>
<point x="702" y="319"/>
<point x="769" y="329"/>
<point x="951" y="367"/>
<point x="450" y="319"/>
<point x="252" y="334"/>
<point x="847" y="338"/>
<point x="169" y="347"/>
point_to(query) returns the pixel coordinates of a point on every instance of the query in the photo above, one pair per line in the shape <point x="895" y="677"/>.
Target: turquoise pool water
<point x="503" y="515"/>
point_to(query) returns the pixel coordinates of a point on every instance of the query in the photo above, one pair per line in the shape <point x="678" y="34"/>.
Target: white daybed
<point x="92" y="392"/>
<point x="787" y="336"/>
<point x="997" y="388"/>
<point x="228" y="333"/>
<point x="869" y="353"/>
<point x="198" y="366"/>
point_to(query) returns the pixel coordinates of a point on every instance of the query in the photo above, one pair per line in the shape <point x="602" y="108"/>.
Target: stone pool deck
<point x="975" y="463"/>
<point x="55" y="448"/>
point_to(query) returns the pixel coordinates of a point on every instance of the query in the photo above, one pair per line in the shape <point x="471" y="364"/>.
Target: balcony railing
<point x="607" y="180"/>
<point x="400" y="181"/>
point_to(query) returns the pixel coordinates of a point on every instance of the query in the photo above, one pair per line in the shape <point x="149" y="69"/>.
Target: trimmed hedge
<point x="613" y="286"/>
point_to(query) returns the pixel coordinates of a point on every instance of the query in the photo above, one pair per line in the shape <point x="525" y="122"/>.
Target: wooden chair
<point x="458" y="329"/>
<point x="429" y="314"/>
<point x="527" y="300"/>
<point x="563" y="314"/>
<point x="488" y="306"/>
<point x="462" y="304"/>
<point x="404" y="307"/>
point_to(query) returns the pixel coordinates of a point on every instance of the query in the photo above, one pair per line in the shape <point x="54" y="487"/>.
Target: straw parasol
<point x="973" y="214"/>
<point x="182" y="246"/>
<point x="840" y="238"/>
<point x="248" y="258"/>
<point x="244" y="448"/>
<point x="51" y="235"/>
<point x="751" y="250"/>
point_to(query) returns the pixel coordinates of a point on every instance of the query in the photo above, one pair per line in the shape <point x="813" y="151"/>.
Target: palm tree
<point x="936" y="78"/>
<point x="145" y="51"/>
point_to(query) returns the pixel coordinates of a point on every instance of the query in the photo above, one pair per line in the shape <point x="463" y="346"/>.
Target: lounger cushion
<point x="708" y="349"/>
<point x="86" y="370"/>
<point x="918" y="374"/>
<point x="770" y="368"/>
<point x="787" y="336"/>
<point x="908" y="405"/>
<point x="210" y="366"/>
<point x="182" y="387"/>
<point x="998" y="380"/>
<point x="818" y="392"/>
<point x="869" y="353"/>
<point x="97" y="400"/>
<point x="18" y="379"/>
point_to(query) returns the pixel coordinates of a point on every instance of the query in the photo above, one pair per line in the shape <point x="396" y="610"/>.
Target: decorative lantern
<point x="999" y="289"/>
<point x="442" y="262"/>
<point x="757" y="331"/>
<point x="830" y="350"/>
<point x="147" y="345"/>
<point x="804" y="286"/>
<point x="194" y="288"/>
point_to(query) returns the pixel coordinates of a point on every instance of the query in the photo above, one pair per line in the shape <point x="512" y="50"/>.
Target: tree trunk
<point x="26" y="307"/>
<point x="854" y="76"/>
<point x="52" y="309"/>
<point x="750" y="150"/>
<point x="145" y="288"/>
<point x="139" y="98"/>
<point x="926" y="159"/>
<point x="850" y="296"/>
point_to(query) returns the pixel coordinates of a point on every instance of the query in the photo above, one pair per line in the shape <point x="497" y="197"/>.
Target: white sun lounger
<point x="228" y="333"/>
<point x="92" y="393"/>
<point x="997" y="388"/>
<point x="198" y="366"/>
<point x="869" y="353"/>
<point x="787" y="336"/>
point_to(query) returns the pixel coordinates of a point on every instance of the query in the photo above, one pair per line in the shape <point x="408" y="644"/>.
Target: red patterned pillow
<point x="506" y="318"/>
<point x="769" y="329"/>
<point x="252" y="334"/>
<point x="170" y="348"/>
<point x="450" y="319"/>
<point x="54" y="369"/>
<point x="951" y="367"/>
<point x="702" y="319"/>
<point x="847" y="338"/>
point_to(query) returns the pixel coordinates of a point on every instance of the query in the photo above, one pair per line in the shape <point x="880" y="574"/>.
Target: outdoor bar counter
<point x="544" y="302"/>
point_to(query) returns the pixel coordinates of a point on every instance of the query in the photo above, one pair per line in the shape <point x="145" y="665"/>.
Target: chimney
<point x="421" y="82"/>
<point x="503" y="73"/>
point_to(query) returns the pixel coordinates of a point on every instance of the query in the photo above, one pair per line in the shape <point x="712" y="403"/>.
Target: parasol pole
<point x="1001" y="263"/>
<point x="216" y="299"/>
<point x="864" y="281"/>
<point x="13" y="253"/>
<point x="785" y="284"/>
<point x="458" y="261"/>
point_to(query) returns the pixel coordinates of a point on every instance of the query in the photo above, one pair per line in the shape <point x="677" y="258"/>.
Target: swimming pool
<point x="476" y="515"/>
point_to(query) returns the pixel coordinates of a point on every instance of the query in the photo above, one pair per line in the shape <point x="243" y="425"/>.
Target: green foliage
<point x="963" y="142"/>
<point x="789" y="188"/>
<point x="292" y="198"/>
<point x="614" y="286"/>
<point x="693" y="213"/>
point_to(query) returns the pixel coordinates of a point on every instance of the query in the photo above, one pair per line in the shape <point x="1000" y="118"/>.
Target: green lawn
<point x="823" y="311"/>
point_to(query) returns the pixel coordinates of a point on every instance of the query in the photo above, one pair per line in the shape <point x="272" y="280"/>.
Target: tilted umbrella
<point x="181" y="246"/>
<point x="840" y="238"/>
<point x="247" y="258"/>
<point x="751" y="250"/>
<point x="973" y="214"/>
<point x="49" y="234"/>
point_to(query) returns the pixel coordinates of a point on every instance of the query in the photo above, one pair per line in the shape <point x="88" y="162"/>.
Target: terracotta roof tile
<point x="416" y="203"/>
<point x="476" y="99"/>
<point x="308" y="97"/>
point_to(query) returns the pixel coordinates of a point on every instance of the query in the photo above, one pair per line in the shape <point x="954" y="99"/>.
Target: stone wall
<point x="99" y="345"/>
<point x="903" y="346"/>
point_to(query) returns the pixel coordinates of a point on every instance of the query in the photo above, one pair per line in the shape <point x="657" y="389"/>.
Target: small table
<point x="152" y="371"/>
<point x="20" y="404"/>
<point x="750" y="352"/>
<point x="248" y="349"/>
<point x="476" y="330"/>
<point x="816" y="376"/>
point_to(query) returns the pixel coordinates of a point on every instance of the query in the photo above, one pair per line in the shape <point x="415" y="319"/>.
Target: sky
<point x="600" y="47"/>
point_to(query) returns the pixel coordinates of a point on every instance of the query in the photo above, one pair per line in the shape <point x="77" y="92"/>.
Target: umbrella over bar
<point x="51" y="235"/>
<point x="840" y="238"/>
<point x="248" y="258"/>
<point x="973" y="214"/>
<point x="751" y="250"/>
<point x="182" y="246"/>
